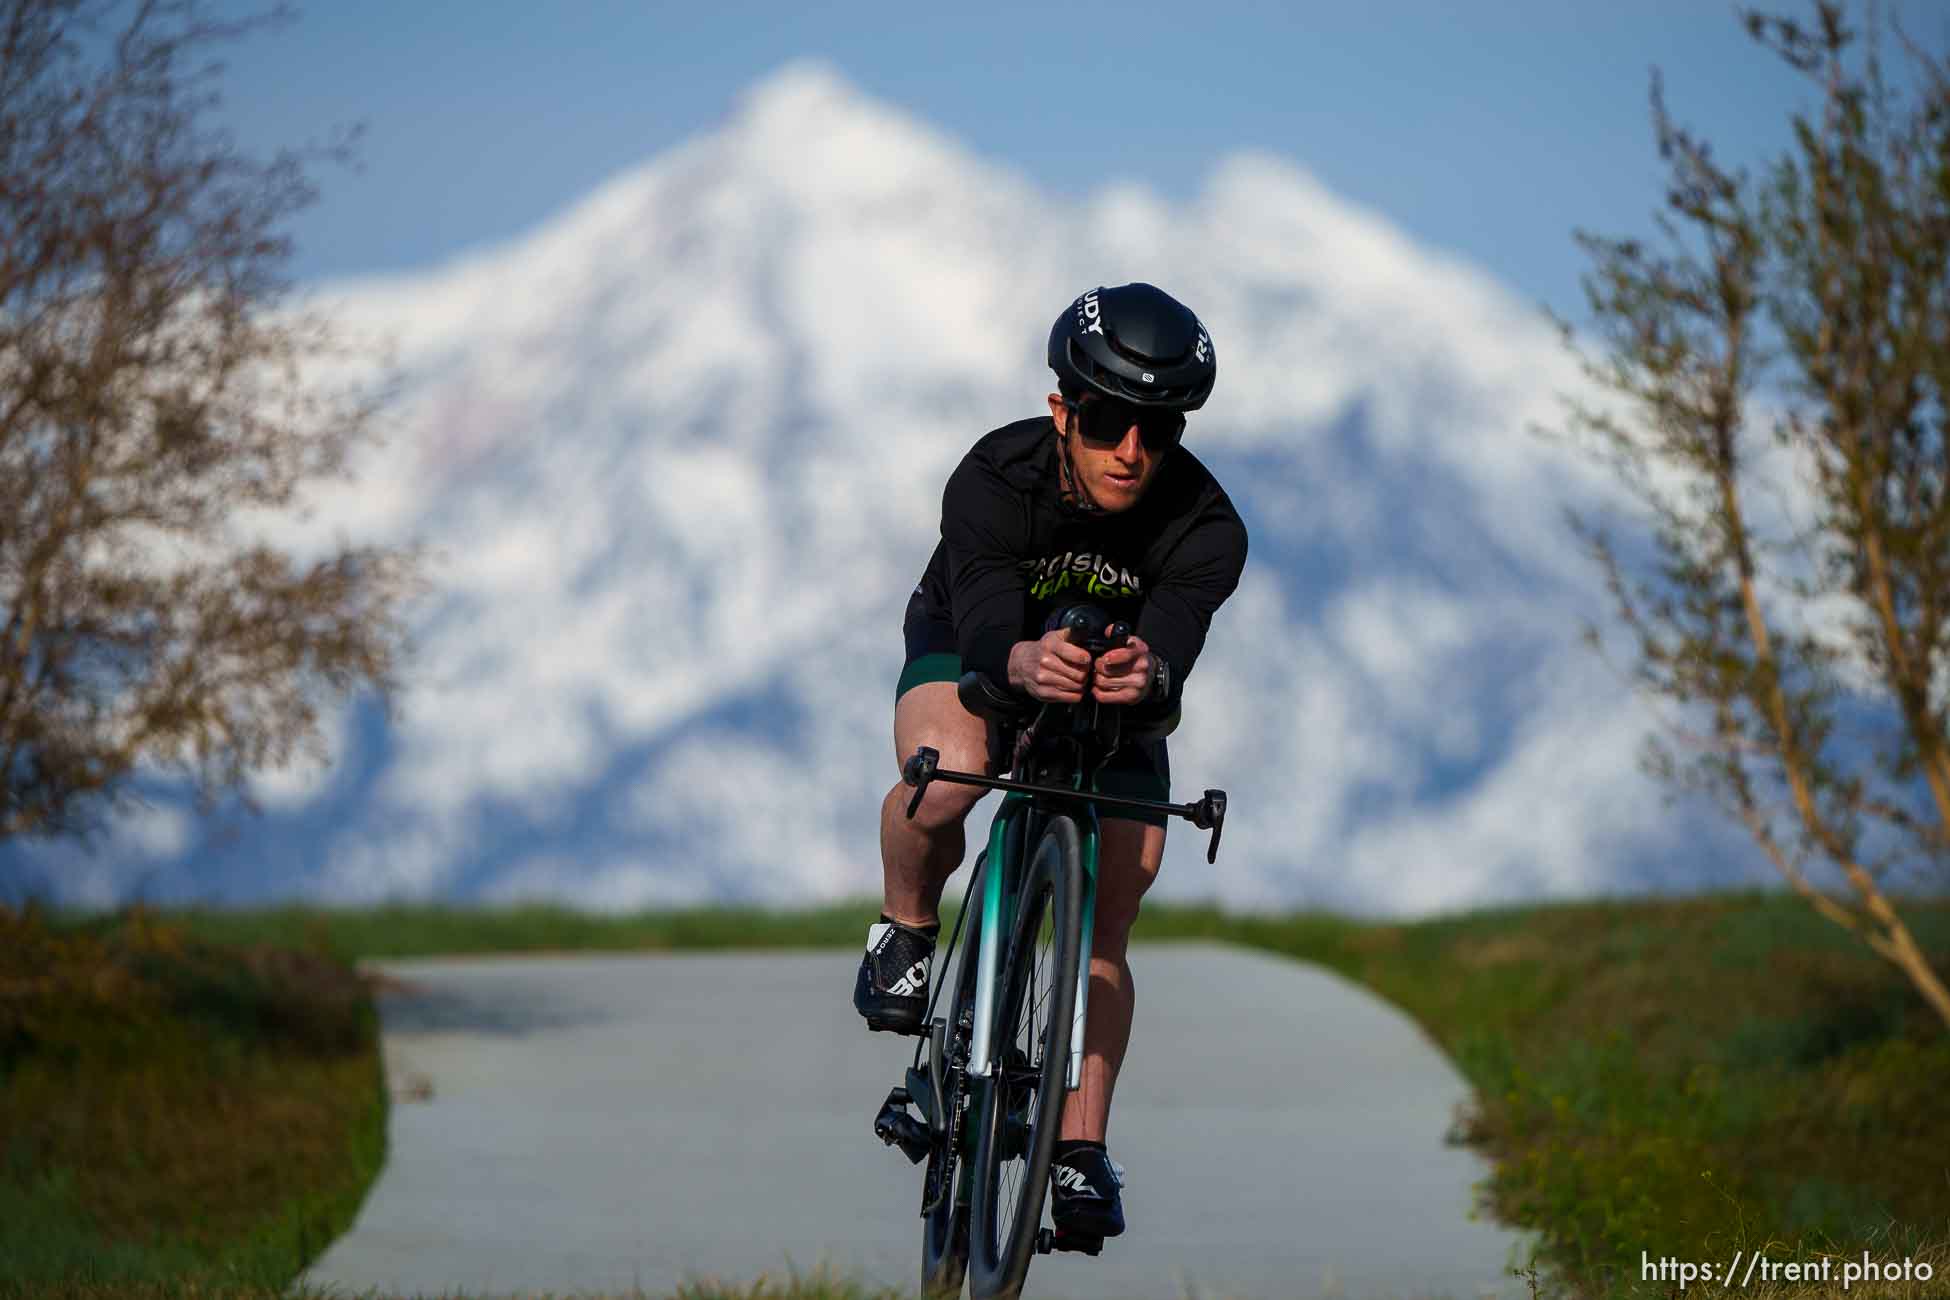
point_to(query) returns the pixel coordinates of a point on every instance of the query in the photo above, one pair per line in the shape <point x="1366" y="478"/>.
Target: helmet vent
<point x="1140" y="356"/>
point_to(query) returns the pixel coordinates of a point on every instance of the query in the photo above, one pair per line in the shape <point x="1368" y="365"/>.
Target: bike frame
<point x="998" y="906"/>
<point x="1026" y="808"/>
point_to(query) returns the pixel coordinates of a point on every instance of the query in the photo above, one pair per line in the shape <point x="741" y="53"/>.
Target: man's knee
<point x="945" y="804"/>
<point x="930" y="714"/>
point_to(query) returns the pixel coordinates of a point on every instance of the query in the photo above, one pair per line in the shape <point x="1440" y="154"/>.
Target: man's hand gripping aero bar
<point x="983" y="698"/>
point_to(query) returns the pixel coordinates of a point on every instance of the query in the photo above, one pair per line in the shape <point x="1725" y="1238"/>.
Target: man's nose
<point x="1132" y="446"/>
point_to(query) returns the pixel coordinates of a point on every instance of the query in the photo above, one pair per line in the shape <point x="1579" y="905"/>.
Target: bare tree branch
<point x="151" y="389"/>
<point x="1834" y="272"/>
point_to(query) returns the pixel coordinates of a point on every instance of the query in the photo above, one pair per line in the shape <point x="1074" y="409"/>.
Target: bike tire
<point x="1021" y="1100"/>
<point x="944" y="1230"/>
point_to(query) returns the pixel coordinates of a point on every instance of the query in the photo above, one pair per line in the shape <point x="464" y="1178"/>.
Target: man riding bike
<point x="1098" y="503"/>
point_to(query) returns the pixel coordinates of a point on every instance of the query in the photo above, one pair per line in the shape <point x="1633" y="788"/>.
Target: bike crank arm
<point x="1208" y="813"/>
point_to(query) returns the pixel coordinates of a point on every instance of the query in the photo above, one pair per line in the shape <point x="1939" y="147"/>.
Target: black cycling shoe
<point x="1084" y="1200"/>
<point x="892" y="988"/>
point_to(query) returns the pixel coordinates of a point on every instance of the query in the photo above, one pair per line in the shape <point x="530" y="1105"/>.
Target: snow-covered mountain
<point x="682" y="450"/>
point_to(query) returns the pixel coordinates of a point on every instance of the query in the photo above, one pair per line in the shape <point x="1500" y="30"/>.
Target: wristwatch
<point x="1160" y="677"/>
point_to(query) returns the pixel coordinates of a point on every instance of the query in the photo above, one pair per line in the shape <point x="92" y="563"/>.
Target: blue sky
<point x="1490" y="130"/>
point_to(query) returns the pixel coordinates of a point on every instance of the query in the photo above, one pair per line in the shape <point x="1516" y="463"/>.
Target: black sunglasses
<point x="1101" y="422"/>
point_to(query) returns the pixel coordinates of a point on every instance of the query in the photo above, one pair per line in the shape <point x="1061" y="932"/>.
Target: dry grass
<point x="177" y="1112"/>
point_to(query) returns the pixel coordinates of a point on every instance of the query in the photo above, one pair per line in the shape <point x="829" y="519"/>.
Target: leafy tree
<point x="1775" y="374"/>
<point x="159" y="399"/>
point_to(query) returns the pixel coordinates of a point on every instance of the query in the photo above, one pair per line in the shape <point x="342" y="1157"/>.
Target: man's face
<point x="1116" y="463"/>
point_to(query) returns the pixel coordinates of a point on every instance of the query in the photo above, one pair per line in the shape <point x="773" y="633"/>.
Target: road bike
<point x="989" y="1077"/>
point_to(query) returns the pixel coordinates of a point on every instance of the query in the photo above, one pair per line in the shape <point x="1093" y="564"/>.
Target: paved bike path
<point x="593" y="1124"/>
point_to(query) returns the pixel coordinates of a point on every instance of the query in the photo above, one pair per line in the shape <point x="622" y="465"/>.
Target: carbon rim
<point x="1023" y="1053"/>
<point x="944" y="1238"/>
<point x="1022" y="1098"/>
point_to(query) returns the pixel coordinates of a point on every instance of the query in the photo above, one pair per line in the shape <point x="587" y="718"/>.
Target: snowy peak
<point x="683" y="446"/>
<point x="802" y="101"/>
<point x="807" y="132"/>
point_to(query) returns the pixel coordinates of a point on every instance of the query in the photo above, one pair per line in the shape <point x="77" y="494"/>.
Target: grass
<point x="1681" y="1077"/>
<point x="427" y="930"/>
<point x="818" y="1285"/>
<point x="174" y="1111"/>
<point x="815" y="1286"/>
<point x="1689" y="1077"/>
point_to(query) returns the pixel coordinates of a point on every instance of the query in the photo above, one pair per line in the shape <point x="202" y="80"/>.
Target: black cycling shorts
<point x="1138" y="770"/>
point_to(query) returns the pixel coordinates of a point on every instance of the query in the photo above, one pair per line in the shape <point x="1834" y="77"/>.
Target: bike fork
<point x="994" y="923"/>
<point x="1073" y="1076"/>
<point x="990" y="955"/>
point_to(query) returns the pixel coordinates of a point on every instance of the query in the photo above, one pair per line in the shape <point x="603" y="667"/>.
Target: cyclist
<point x="1096" y="502"/>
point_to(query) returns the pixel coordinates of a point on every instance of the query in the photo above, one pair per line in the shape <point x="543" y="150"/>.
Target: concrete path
<point x="601" y="1123"/>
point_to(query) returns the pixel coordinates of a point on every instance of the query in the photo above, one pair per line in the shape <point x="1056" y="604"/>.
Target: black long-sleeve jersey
<point x="1012" y="551"/>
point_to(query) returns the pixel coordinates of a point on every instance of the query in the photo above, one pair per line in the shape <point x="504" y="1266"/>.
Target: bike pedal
<point x="1048" y="1240"/>
<point x="895" y="1127"/>
<point x="904" y="1030"/>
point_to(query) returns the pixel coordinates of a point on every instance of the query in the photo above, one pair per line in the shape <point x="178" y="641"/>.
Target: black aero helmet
<point x="1135" y="343"/>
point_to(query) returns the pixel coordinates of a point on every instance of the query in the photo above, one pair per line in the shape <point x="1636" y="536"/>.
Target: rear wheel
<point x="944" y="1199"/>
<point x="1020" y="1104"/>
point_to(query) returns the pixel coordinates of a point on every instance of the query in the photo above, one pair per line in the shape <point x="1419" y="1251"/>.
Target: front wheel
<point x="944" y="1232"/>
<point x="1020" y="1103"/>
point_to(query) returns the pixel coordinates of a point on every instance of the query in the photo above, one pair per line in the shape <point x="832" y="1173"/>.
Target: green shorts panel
<point x="929" y="668"/>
